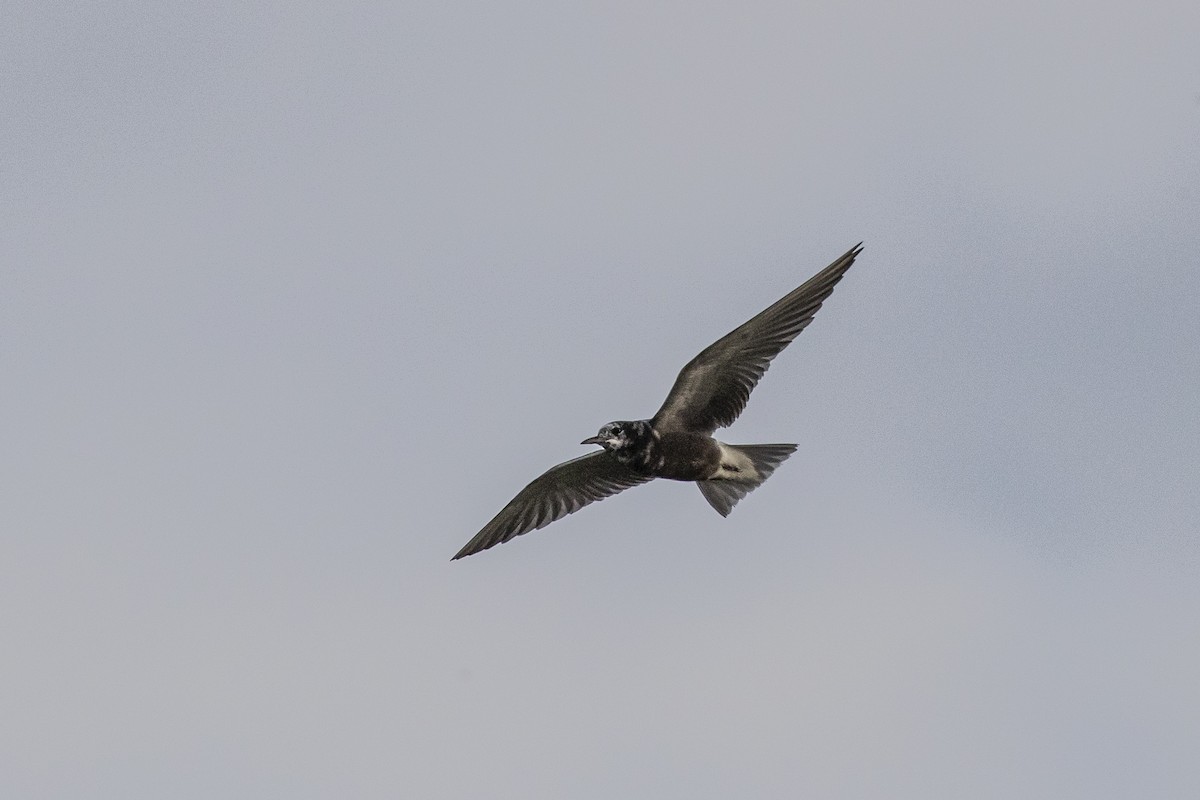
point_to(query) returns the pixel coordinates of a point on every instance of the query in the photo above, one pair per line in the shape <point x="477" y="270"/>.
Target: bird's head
<point x="613" y="436"/>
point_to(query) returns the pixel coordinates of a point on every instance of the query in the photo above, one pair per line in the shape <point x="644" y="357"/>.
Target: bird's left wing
<point x="561" y="490"/>
<point x="712" y="388"/>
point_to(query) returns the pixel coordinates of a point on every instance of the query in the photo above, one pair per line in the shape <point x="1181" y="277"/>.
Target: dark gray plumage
<point x="561" y="490"/>
<point x="713" y="388"/>
<point x="676" y="443"/>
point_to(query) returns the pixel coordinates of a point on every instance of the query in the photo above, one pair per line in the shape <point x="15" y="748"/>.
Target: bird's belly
<point x="688" y="457"/>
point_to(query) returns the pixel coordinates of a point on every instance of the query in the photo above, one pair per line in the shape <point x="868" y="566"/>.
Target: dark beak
<point x="593" y="440"/>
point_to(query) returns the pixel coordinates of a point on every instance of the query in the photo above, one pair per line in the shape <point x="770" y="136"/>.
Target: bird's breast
<point x="688" y="456"/>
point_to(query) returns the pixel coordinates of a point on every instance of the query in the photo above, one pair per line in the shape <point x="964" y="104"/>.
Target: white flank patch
<point x="743" y="467"/>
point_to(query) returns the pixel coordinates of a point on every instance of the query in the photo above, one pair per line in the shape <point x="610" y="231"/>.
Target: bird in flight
<point x="677" y="442"/>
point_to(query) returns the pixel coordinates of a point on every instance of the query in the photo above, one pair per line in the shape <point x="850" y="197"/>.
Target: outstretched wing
<point x="561" y="490"/>
<point x="712" y="389"/>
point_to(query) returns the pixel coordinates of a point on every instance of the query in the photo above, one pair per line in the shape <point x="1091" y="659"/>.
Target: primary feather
<point x="713" y="388"/>
<point x="561" y="490"/>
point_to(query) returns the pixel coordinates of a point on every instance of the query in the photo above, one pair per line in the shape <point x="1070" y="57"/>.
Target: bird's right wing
<point x="561" y="490"/>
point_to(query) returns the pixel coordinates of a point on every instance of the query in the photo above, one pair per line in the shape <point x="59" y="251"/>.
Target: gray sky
<point x="294" y="298"/>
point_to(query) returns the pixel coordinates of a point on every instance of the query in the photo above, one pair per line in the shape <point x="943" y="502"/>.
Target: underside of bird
<point x="709" y="393"/>
<point x="743" y="469"/>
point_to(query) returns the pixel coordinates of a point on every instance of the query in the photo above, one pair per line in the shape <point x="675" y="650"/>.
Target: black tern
<point x="677" y="442"/>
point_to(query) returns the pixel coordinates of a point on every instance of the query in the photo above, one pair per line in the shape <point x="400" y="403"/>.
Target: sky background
<point x="295" y="296"/>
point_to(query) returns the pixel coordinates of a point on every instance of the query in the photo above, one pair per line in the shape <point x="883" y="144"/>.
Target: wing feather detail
<point x="561" y="490"/>
<point x="713" y="388"/>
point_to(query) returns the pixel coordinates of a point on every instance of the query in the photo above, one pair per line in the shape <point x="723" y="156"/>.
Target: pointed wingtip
<point x="479" y="542"/>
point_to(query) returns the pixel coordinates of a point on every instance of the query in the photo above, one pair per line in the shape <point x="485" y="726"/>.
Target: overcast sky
<point x="295" y="296"/>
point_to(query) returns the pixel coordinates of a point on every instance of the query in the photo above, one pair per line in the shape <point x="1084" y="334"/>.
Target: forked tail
<point x="724" y="493"/>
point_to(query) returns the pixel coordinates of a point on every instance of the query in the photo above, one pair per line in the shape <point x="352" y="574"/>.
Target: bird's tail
<point x="723" y="493"/>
